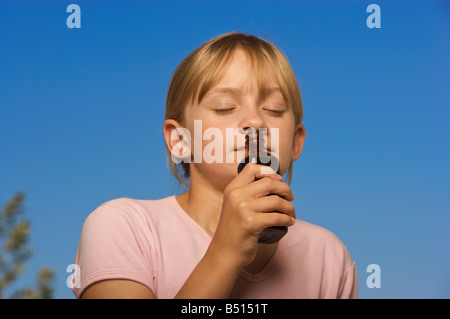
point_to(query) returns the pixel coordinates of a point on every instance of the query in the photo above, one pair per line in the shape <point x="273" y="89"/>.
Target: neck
<point x="202" y="202"/>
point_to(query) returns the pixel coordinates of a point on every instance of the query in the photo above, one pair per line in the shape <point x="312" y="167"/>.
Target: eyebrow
<point x="238" y="91"/>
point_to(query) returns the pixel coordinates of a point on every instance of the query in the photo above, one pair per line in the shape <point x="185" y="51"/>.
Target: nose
<point x="251" y="118"/>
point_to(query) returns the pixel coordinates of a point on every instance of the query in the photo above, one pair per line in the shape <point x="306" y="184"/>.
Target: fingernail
<point x="267" y="170"/>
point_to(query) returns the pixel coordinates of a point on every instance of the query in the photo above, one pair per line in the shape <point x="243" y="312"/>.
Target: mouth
<point x="241" y="149"/>
<point x="245" y="149"/>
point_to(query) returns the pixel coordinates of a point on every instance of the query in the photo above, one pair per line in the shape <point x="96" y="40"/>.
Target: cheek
<point x="285" y="149"/>
<point x="207" y="139"/>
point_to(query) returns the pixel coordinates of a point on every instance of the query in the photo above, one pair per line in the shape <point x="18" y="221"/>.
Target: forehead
<point x="239" y="91"/>
<point x="246" y="74"/>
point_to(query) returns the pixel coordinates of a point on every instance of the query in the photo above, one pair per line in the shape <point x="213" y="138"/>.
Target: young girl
<point x="204" y="242"/>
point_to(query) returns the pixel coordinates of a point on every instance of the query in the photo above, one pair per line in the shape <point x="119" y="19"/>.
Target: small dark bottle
<point x="254" y="154"/>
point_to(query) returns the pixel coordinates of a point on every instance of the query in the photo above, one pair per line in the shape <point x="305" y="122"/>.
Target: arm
<point x="117" y="289"/>
<point x="214" y="278"/>
<point x="235" y="241"/>
<point x="210" y="279"/>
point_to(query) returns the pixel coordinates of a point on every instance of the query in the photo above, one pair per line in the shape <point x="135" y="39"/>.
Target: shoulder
<point x="117" y="212"/>
<point x="118" y="230"/>
<point x="320" y="262"/>
<point x="303" y="229"/>
<point x="125" y="215"/>
<point x="127" y="204"/>
<point x="130" y="208"/>
<point x="314" y="238"/>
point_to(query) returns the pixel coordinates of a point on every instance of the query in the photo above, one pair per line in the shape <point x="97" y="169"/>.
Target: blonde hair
<point x="201" y="70"/>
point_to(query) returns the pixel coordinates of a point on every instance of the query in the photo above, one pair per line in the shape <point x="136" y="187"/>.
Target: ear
<point x="298" y="140"/>
<point x="178" y="140"/>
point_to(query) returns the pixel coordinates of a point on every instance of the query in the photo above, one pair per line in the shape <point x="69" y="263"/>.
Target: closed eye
<point x="224" y="111"/>
<point x="275" y="112"/>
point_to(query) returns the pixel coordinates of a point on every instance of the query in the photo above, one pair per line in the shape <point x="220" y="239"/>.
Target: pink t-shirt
<point x="156" y="243"/>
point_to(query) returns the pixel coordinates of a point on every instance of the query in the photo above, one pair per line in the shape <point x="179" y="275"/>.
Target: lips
<point x="243" y="146"/>
<point x="240" y="149"/>
<point x="245" y="149"/>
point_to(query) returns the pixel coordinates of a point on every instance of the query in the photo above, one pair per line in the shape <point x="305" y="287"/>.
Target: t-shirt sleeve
<point x="115" y="243"/>
<point x="349" y="284"/>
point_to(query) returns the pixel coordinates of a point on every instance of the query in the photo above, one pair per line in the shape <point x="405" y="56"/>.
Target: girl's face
<point x="236" y="103"/>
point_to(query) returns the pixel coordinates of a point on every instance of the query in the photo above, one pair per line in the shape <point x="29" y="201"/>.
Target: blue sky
<point x="81" y="113"/>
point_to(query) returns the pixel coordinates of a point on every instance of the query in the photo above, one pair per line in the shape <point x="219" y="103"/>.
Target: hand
<point x="247" y="210"/>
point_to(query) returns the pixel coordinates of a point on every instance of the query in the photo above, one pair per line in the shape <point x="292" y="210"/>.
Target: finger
<point x="265" y="220"/>
<point x="273" y="203"/>
<point x="265" y="170"/>
<point x="252" y="172"/>
<point x="268" y="186"/>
